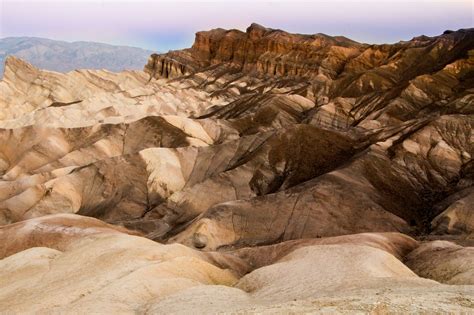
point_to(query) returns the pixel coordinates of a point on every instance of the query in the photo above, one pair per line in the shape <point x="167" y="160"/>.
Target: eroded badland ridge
<point x="270" y="172"/>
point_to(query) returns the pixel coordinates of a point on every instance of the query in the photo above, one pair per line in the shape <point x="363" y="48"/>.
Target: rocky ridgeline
<point x="262" y="50"/>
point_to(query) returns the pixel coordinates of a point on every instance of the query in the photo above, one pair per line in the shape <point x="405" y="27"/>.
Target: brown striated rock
<point x="458" y="218"/>
<point x="261" y="50"/>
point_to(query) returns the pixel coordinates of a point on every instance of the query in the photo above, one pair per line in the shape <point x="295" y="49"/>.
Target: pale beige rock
<point x="105" y="273"/>
<point x="443" y="261"/>
<point x="53" y="231"/>
<point x="113" y="272"/>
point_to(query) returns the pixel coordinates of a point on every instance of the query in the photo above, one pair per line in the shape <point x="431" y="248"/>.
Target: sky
<point x="163" y="25"/>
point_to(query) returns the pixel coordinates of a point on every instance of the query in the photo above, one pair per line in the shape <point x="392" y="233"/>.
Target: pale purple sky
<point x="163" y="25"/>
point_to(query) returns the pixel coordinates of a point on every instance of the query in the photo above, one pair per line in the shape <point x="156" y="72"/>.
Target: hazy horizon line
<point x="243" y="30"/>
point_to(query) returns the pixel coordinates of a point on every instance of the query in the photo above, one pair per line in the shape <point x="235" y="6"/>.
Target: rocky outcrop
<point x="259" y="49"/>
<point x="277" y="53"/>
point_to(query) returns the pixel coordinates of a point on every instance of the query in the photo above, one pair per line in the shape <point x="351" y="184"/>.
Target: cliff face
<point x="274" y="52"/>
<point x="277" y="53"/>
<point x="349" y="82"/>
<point x="261" y="50"/>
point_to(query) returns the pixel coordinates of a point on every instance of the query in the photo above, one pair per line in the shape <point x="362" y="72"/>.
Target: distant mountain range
<point x="66" y="56"/>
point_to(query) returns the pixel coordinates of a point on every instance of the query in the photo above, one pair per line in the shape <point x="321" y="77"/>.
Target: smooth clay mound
<point x="115" y="272"/>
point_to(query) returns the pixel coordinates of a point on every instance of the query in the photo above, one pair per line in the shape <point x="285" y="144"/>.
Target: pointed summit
<point x="15" y="65"/>
<point x="256" y="30"/>
<point x="256" y="26"/>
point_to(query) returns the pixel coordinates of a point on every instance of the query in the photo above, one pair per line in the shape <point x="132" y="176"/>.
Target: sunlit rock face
<point x="282" y="172"/>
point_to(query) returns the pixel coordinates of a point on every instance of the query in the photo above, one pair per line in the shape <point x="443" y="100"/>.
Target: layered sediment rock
<point x="259" y="49"/>
<point x="264" y="153"/>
